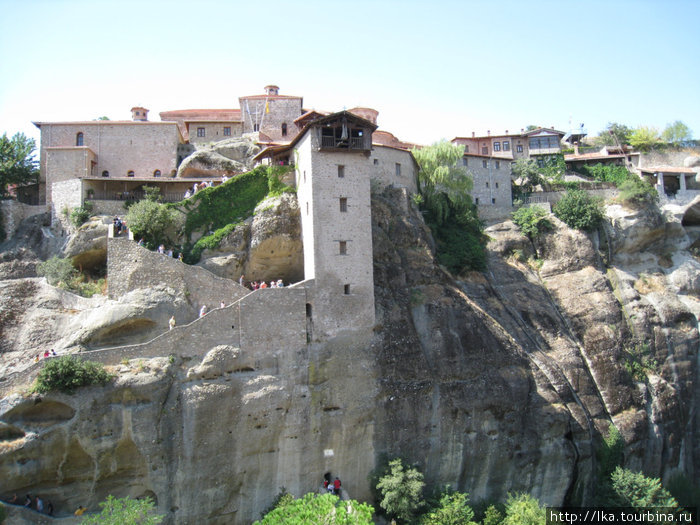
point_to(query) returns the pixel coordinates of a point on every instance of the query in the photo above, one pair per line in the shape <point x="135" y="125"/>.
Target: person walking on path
<point x="171" y="323"/>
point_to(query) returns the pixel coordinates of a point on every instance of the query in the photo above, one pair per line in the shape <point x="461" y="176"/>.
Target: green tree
<point x="124" y="511"/>
<point x="613" y="134"/>
<point x="66" y="373"/>
<point x="526" y="173"/>
<point x="579" y="210"/>
<point x="645" y="138"/>
<point x="152" y="221"/>
<point x="634" y="489"/>
<point x="453" y="509"/>
<point x="677" y="134"/>
<point x="313" y="509"/>
<point x="443" y="182"/>
<point x="636" y="192"/>
<point x="531" y="127"/>
<point x="492" y="516"/>
<point x="57" y="270"/>
<point x="401" y="491"/>
<point x="532" y="221"/>
<point x="17" y="162"/>
<point x="523" y="509"/>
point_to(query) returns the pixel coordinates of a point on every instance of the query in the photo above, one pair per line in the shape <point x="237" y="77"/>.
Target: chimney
<point x="575" y="148"/>
<point x="139" y="114"/>
<point x="522" y="130"/>
<point x="488" y="132"/>
<point x="506" y="132"/>
<point x="473" y="134"/>
<point x="272" y="90"/>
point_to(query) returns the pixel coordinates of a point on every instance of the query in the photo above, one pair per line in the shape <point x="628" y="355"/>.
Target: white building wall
<point x="383" y="161"/>
<point x="304" y="196"/>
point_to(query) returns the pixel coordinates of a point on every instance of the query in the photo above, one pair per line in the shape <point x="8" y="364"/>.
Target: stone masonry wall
<point x="383" y="163"/>
<point x="213" y="131"/>
<point x="491" y="181"/>
<point x="14" y="212"/>
<point x="130" y="266"/>
<point x="65" y="195"/>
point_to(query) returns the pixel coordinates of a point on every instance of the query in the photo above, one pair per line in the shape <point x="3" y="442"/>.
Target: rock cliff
<point x="496" y="382"/>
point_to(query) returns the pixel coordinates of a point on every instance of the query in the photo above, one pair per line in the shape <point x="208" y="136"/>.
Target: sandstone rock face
<point x="87" y="247"/>
<point x="501" y="381"/>
<point x="267" y="247"/>
<point x="226" y="157"/>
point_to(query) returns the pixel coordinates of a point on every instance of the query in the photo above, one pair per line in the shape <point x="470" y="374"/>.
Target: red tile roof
<point x="667" y="169"/>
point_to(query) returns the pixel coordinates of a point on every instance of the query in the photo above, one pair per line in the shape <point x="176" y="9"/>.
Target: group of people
<point x="46" y="354"/>
<point x="255" y="285"/>
<point x="331" y="486"/>
<point x="119" y="225"/>
<point x="36" y="503"/>
<point x="161" y="249"/>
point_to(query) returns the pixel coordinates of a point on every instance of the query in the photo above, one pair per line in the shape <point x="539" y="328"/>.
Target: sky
<point x="433" y="70"/>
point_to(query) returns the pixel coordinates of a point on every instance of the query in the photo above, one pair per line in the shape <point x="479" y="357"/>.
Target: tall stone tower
<point x="333" y="168"/>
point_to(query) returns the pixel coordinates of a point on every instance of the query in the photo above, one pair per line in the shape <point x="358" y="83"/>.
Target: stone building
<point x="524" y="145"/>
<point x="492" y="181"/>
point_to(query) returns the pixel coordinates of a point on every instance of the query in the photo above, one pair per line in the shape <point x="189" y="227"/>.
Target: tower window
<point x="398" y="169"/>
<point x="376" y="162"/>
<point x="130" y="173"/>
<point x="79" y="139"/>
<point x="498" y="164"/>
<point x="284" y="129"/>
<point x="346" y="289"/>
<point x="485" y="150"/>
<point x="227" y="131"/>
<point x="201" y="132"/>
<point x="343" y="247"/>
<point x="343" y="204"/>
<point x="105" y="173"/>
<point x="496" y="146"/>
<point x="341" y="171"/>
<point x="256" y="127"/>
<point x="485" y="163"/>
<point x="156" y="173"/>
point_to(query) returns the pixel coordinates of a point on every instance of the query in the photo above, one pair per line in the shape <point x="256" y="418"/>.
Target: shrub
<point x="317" y="508"/>
<point x="579" y="210"/>
<point x="81" y="214"/>
<point x="3" y="513"/>
<point x="152" y="221"/>
<point x="636" y="192"/>
<point x="124" y="511"/>
<point x="634" y="489"/>
<point x="452" y="509"/>
<point x="532" y="221"/>
<point x="57" y="270"/>
<point x="401" y="491"/>
<point x="66" y="373"/>
<point x="523" y="509"/>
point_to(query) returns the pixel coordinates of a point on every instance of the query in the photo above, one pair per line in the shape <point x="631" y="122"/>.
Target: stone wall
<point x="491" y="181"/>
<point x="281" y="110"/>
<point x="14" y="212"/>
<point x="65" y="195"/>
<point x="130" y="267"/>
<point x="111" y="208"/>
<point x="213" y="131"/>
<point x="383" y="164"/>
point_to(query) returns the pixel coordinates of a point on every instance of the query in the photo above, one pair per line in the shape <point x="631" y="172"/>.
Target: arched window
<point x="156" y="173"/>
<point x="130" y="174"/>
<point x="105" y="173"/>
<point x="284" y="129"/>
<point x="79" y="139"/>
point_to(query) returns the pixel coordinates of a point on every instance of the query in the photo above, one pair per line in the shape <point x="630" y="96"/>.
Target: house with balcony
<point x="534" y="144"/>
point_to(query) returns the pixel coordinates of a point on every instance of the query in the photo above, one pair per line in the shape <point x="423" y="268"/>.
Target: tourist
<point x="263" y="284"/>
<point x="222" y="305"/>
<point x="49" y="509"/>
<point x="15" y="499"/>
<point x="179" y="256"/>
<point x="36" y="359"/>
<point x="53" y="353"/>
<point x="161" y="249"/>
<point x="273" y="284"/>
<point x="141" y="241"/>
<point x="80" y="511"/>
<point x="39" y="504"/>
<point x="224" y="179"/>
<point x="203" y="310"/>
<point x="169" y="253"/>
<point x="336" y="487"/>
<point x="171" y="323"/>
<point x="28" y="501"/>
<point x="46" y="354"/>
<point x="195" y="187"/>
<point x="240" y="280"/>
<point x="188" y="194"/>
<point x="280" y="284"/>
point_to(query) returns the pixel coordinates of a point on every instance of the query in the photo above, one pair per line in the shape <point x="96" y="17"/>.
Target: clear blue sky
<point x="432" y="70"/>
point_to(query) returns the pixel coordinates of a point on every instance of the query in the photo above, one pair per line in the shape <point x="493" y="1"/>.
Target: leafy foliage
<point x="634" y="489"/>
<point x="444" y="199"/>
<point x="152" y="193"/>
<point x="686" y="491"/>
<point x="609" y="455"/>
<point x="639" y="361"/>
<point x="526" y="171"/>
<point x="607" y="173"/>
<point x="637" y="192"/>
<point x="615" y="131"/>
<point x="81" y="214"/>
<point x="313" y="509"/>
<point x="579" y="210"/>
<point x="645" y="138"/>
<point x="152" y="221"/>
<point x="532" y="221"/>
<point x="3" y="513"/>
<point x="677" y="134"/>
<point x="401" y="491"/>
<point x="56" y="270"/>
<point x="66" y="373"/>
<point x="523" y="509"/>
<point x="554" y="168"/>
<point x="124" y="511"/>
<point x="210" y="242"/>
<point x="453" y="509"/>
<point x="492" y="516"/>
<point x="17" y="162"/>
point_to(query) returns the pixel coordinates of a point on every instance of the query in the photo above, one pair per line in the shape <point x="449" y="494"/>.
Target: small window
<point x="487" y="184"/>
<point x="540" y="163"/>
<point x="256" y="127"/>
<point x="497" y="185"/>
<point x="465" y="161"/>
<point x="227" y="131"/>
<point x="376" y="162"/>
<point x="79" y="139"/>
<point x="506" y="145"/>
<point x="284" y="129"/>
<point x="398" y="169"/>
<point x="343" y="204"/>
<point x="466" y="149"/>
<point x="105" y="173"/>
<point x="493" y="201"/>
<point x="485" y="163"/>
<point x="341" y="171"/>
<point x="476" y="201"/>
<point x="346" y="289"/>
<point x="519" y="148"/>
<point x="498" y="164"/>
<point x="343" y="247"/>
<point x="485" y="150"/>
<point x="130" y="173"/>
<point x="156" y="173"/>
<point x="307" y="208"/>
<point x="201" y="132"/>
<point x="496" y="146"/>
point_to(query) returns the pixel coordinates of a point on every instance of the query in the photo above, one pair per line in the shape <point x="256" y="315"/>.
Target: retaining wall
<point x="14" y="212"/>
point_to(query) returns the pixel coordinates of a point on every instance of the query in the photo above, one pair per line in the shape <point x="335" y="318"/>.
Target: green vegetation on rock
<point x="124" y="511"/>
<point x="401" y="491"/>
<point x="579" y="210"/>
<point x="532" y="221"/>
<point x="61" y="273"/>
<point x="17" y="162"/>
<point x="66" y="373"/>
<point x="81" y="214"/>
<point x="315" y="509"/>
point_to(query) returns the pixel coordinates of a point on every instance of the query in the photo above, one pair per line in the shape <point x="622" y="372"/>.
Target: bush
<point x="523" y="509"/>
<point x="68" y="372"/>
<point x="532" y="221"/>
<point x="634" y="489"/>
<point x="579" y="210"/>
<point x="57" y="270"/>
<point x="317" y="508"/>
<point x="152" y="221"/>
<point x="401" y="491"/>
<point x="636" y="193"/>
<point x="81" y="214"/>
<point x="3" y="513"/>
<point x="124" y="511"/>
<point x="452" y="509"/>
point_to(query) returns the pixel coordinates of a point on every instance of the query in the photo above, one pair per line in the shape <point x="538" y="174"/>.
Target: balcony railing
<point x="172" y="196"/>
<point x="355" y="143"/>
